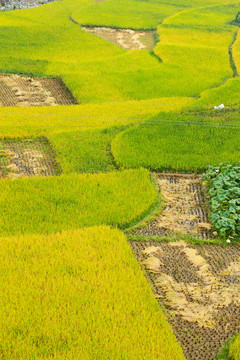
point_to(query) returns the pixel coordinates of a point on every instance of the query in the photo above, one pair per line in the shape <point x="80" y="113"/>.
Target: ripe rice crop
<point x="126" y="14"/>
<point x="79" y="295"/>
<point x="174" y="142"/>
<point x="86" y="151"/>
<point x="45" y="121"/>
<point x="227" y="94"/>
<point x="47" y="43"/>
<point x="45" y="205"/>
<point x="67" y="293"/>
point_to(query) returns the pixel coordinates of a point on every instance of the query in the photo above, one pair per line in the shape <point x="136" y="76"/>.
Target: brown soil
<point x="199" y="285"/>
<point x="25" y="91"/>
<point x="125" y="38"/>
<point x="184" y="210"/>
<point x="19" y="158"/>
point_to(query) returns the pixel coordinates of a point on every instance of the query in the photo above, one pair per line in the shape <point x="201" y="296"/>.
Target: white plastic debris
<point x="219" y="107"/>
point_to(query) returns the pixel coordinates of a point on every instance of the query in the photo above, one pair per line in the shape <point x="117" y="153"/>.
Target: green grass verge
<point x="174" y="238"/>
<point x="231" y="349"/>
<point x="79" y="295"/>
<point x="45" y="205"/>
<point x="234" y="349"/>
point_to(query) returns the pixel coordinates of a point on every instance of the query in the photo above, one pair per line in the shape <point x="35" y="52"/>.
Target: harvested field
<point x="184" y="210"/>
<point x="19" y="158"/>
<point x="199" y="286"/>
<point x="25" y="91"/>
<point x="125" y="38"/>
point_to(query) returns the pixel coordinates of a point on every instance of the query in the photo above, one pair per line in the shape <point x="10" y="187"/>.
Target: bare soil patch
<point x="184" y="211"/>
<point x="125" y="38"/>
<point x="25" y="91"/>
<point x="199" y="286"/>
<point x="29" y="157"/>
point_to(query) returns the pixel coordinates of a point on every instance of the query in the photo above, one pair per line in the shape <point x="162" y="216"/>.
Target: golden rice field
<point x="74" y="179"/>
<point x="80" y="295"/>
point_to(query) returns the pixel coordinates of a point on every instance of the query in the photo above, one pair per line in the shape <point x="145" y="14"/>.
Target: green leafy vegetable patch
<point x="224" y="191"/>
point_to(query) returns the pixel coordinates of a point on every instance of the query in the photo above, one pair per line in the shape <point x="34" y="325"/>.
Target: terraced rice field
<point x="113" y="246"/>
